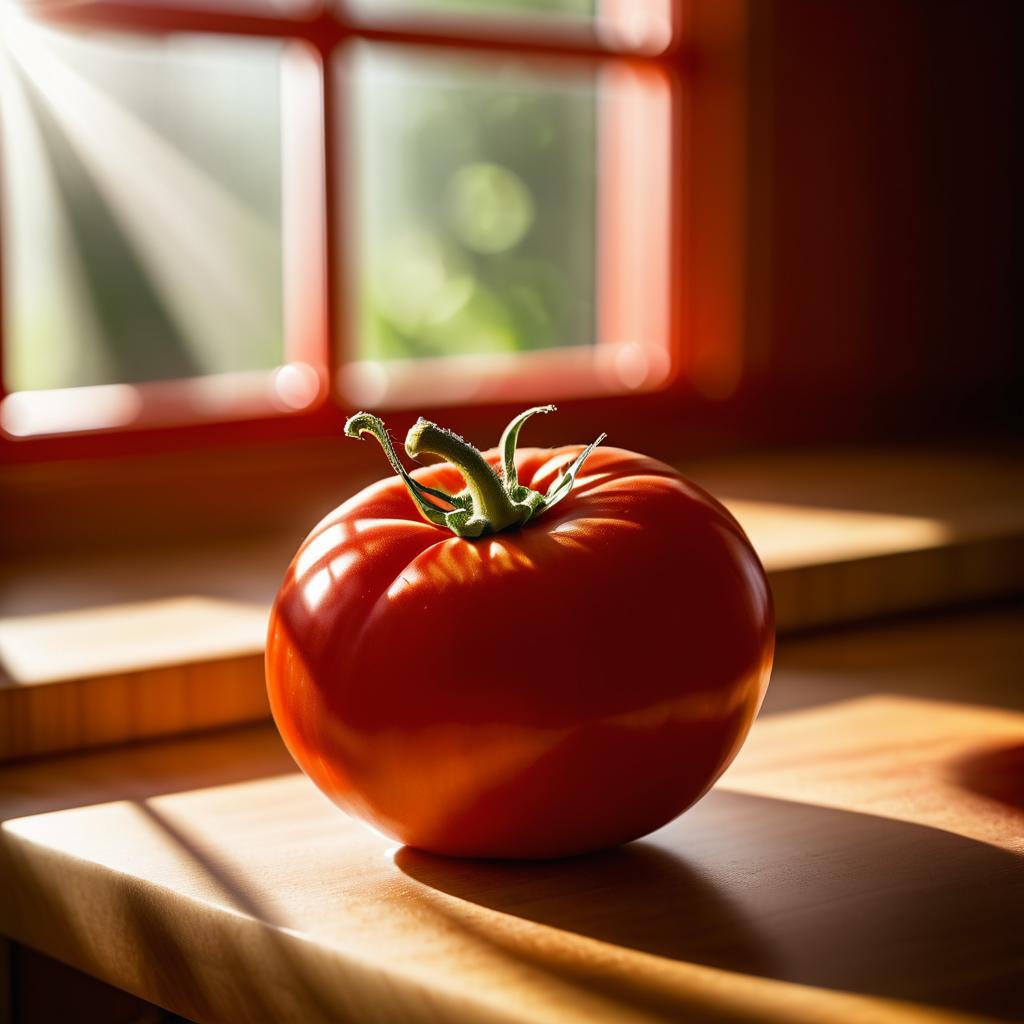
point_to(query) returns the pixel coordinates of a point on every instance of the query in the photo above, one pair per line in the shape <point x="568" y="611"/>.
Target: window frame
<point x="704" y="210"/>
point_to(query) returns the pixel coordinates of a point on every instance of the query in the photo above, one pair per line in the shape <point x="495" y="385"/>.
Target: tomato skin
<point x="560" y="688"/>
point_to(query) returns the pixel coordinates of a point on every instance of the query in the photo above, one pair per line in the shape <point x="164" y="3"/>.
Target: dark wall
<point x="883" y="184"/>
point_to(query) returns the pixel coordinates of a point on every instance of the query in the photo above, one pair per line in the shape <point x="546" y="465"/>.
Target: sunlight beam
<point x="186" y="226"/>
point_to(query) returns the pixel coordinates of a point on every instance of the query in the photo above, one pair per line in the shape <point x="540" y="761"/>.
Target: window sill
<point x="135" y="644"/>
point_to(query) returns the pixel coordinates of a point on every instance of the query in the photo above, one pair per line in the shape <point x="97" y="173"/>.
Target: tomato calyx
<point x="491" y="502"/>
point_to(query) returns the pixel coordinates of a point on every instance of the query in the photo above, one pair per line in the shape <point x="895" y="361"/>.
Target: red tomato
<point x="560" y="687"/>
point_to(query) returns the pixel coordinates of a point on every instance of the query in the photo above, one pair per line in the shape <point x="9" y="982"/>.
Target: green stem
<point x="507" y="447"/>
<point x="490" y="502"/>
<point x="366" y="423"/>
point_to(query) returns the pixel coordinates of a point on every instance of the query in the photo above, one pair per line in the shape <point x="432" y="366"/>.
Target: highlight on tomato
<point x="519" y="653"/>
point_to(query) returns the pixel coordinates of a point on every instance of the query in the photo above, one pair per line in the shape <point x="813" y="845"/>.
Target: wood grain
<point x="860" y="862"/>
<point x="106" y="649"/>
<point x="131" y="645"/>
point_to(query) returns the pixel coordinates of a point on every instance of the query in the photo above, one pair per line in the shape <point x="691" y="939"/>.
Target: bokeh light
<point x="475" y="205"/>
<point x="490" y="207"/>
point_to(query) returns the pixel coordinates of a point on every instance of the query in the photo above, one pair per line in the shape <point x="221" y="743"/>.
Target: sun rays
<point x="207" y="256"/>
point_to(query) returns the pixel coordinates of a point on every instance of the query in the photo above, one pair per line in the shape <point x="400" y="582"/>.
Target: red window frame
<point x="703" y="68"/>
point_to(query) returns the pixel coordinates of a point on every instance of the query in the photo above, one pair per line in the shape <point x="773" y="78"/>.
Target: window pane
<point x="474" y="207"/>
<point x="141" y="207"/>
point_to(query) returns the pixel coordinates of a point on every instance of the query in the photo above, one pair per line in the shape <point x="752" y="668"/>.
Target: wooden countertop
<point x="861" y="861"/>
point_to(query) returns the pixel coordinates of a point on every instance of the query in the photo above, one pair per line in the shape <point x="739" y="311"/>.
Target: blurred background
<point x="703" y="227"/>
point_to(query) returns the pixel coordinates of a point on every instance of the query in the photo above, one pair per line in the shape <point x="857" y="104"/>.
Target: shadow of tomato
<point x="639" y="896"/>
<point x="997" y="774"/>
<point x="770" y="888"/>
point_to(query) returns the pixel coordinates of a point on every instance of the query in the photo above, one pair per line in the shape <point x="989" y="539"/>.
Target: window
<point x="239" y="212"/>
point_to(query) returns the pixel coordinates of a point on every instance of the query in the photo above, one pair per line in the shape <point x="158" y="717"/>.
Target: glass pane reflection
<point x="474" y="209"/>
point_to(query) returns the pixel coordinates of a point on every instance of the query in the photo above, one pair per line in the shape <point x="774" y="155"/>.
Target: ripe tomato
<point x="560" y="686"/>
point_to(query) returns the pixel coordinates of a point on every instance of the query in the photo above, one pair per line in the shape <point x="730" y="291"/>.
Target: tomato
<point x="553" y="681"/>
